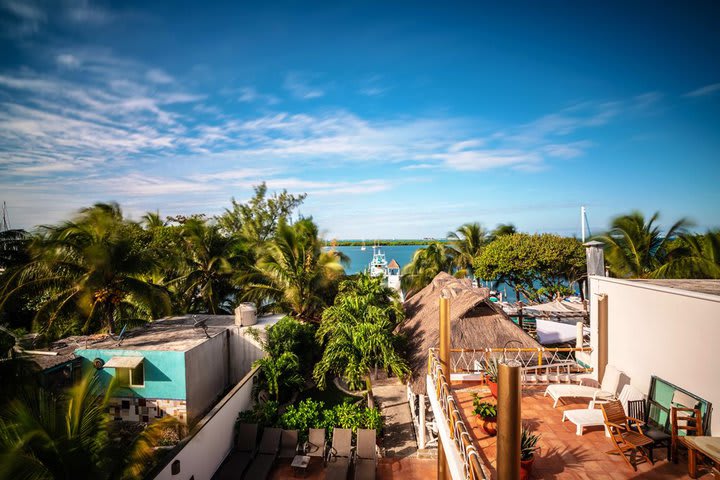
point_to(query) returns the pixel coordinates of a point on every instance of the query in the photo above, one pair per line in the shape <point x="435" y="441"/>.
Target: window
<point x="131" y="377"/>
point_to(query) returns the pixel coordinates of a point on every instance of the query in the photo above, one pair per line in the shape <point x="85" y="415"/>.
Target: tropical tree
<point x="425" y="265"/>
<point x="636" y="247"/>
<point x="525" y="261"/>
<point x="502" y="229"/>
<point x="357" y="332"/>
<point x="87" y="273"/>
<point x="465" y="244"/>
<point x="693" y="256"/>
<point x="374" y="291"/>
<point x="212" y="260"/>
<point x="294" y="273"/>
<point x="153" y="220"/>
<point x="280" y="373"/>
<point x="43" y="436"/>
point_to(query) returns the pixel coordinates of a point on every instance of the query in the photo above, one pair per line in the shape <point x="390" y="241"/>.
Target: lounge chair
<point x="593" y="417"/>
<point x="365" y="456"/>
<point x="242" y="454"/>
<point x="316" y="445"/>
<point x="267" y="453"/>
<point x="625" y="433"/>
<point x="607" y="390"/>
<point x="338" y="459"/>
<point x="652" y="430"/>
<point x="288" y="444"/>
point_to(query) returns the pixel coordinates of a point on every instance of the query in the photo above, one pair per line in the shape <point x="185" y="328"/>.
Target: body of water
<point x="360" y="259"/>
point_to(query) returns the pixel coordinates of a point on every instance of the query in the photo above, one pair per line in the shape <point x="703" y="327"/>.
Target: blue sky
<point x="399" y="120"/>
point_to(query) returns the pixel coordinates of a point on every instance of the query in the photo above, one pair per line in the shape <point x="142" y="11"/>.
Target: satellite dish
<point x="200" y="324"/>
<point x="98" y="363"/>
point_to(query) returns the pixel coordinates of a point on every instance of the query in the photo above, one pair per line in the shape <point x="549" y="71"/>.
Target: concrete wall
<point x="244" y="350"/>
<point x="164" y="372"/>
<point x="206" y="374"/>
<point x="671" y="333"/>
<point x="204" y="450"/>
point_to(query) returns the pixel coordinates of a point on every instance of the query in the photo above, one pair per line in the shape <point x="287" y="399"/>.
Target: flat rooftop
<point x="707" y="286"/>
<point x="177" y="334"/>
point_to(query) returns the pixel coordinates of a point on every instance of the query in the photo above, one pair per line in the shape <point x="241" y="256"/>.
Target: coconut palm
<point x="294" y="273"/>
<point x="43" y="436"/>
<point x="694" y="256"/>
<point x="87" y="273"/>
<point x="211" y="262"/>
<point x="502" y="229"/>
<point x="425" y="265"/>
<point x="636" y="247"/>
<point x="376" y="292"/>
<point x="153" y="220"/>
<point x="465" y="244"/>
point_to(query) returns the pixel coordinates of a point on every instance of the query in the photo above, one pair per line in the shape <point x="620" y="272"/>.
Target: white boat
<point x="378" y="264"/>
<point x="363" y="246"/>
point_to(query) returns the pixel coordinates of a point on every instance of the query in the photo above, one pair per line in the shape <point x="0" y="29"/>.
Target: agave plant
<point x="528" y="443"/>
<point x="491" y="370"/>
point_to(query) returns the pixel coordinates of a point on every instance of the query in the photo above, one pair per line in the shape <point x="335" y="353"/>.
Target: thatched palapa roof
<point x="475" y="322"/>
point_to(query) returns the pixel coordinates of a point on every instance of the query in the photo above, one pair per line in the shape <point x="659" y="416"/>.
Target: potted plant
<point x="487" y="413"/>
<point x="491" y="376"/>
<point x="528" y="446"/>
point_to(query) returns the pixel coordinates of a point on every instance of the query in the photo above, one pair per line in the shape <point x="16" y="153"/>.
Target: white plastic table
<point x="585" y="417"/>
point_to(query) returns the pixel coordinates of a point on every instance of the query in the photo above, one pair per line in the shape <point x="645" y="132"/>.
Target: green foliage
<point x="521" y="260"/>
<point x="465" y="244"/>
<point x="485" y="410"/>
<point x="635" y="247"/>
<point x="425" y="265"/>
<point x="296" y="337"/>
<point x="280" y="374"/>
<point x="313" y="414"/>
<point x="491" y="370"/>
<point x="294" y="273"/>
<point x="258" y="219"/>
<point x="262" y="413"/>
<point x="528" y="444"/>
<point x="357" y="332"/>
<point x="693" y="256"/>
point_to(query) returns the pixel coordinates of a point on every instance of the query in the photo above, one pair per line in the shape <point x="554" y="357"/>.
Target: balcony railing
<point x="473" y="466"/>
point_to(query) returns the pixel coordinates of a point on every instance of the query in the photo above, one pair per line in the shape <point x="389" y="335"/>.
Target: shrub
<point x="264" y="414"/>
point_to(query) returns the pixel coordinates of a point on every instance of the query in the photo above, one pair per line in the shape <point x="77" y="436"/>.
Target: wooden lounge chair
<point x="267" y="453"/>
<point x="288" y="444"/>
<point x="242" y="454"/>
<point x="365" y="455"/>
<point x="316" y="445"/>
<point x="624" y="438"/>
<point x="338" y="459"/>
<point x="607" y="390"/>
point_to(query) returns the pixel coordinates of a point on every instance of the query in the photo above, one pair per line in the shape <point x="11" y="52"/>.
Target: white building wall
<point x="201" y="454"/>
<point x="671" y="333"/>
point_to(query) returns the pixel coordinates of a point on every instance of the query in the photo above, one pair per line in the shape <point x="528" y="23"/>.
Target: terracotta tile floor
<point x="408" y="468"/>
<point x="563" y="454"/>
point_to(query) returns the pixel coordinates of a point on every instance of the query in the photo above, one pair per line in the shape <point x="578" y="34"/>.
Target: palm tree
<point x="47" y="437"/>
<point x="88" y="273"/>
<point x="153" y="220"/>
<point x="694" y="256"/>
<point x="211" y="262"/>
<point x="294" y="273"/>
<point x="502" y="229"/>
<point x="636" y="247"/>
<point x="425" y="265"/>
<point x="375" y="292"/>
<point x="281" y="373"/>
<point x="358" y="334"/>
<point x="465" y="244"/>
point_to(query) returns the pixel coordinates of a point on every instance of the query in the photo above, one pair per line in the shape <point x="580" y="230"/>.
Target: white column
<point x="421" y="404"/>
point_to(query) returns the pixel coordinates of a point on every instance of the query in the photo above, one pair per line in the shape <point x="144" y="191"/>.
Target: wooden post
<point x="509" y="422"/>
<point x="443" y="472"/>
<point x="421" y="421"/>
<point x="602" y="317"/>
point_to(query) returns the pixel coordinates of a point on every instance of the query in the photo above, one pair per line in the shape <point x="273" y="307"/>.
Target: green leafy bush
<point x="265" y="414"/>
<point x="313" y="414"/>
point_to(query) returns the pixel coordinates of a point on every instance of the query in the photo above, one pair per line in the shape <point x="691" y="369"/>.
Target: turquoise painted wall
<point x="164" y="372"/>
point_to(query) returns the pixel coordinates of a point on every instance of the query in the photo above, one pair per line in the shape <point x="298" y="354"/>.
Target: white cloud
<point x="67" y="60"/>
<point x="250" y="95"/>
<point x="704" y="91"/>
<point x="300" y="86"/>
<point x="157" y="75"/>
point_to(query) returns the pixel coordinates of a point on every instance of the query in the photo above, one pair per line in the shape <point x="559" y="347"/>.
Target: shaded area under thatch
<point x="475" y="322"/>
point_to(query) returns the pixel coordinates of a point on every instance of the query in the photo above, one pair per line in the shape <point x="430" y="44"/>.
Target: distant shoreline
<point x="382" y="243"/>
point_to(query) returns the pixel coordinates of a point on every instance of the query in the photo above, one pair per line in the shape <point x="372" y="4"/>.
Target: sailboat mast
<point x="582" y="223"/>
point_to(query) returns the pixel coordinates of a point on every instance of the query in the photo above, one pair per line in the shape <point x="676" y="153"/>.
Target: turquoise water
<point x="359" y="259"/>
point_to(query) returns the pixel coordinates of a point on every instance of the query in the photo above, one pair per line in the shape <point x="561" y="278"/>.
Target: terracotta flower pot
<point x="493" y="387"/>
<point x="526" y="468"/>
<point x="490" y="426"/>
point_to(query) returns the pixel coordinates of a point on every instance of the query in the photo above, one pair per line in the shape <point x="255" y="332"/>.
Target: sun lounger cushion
<point x="261" y="466"/>
<point x="364" y="469"/>
<point x="337" y="468"/>
<point x="234" y="466"/>
<point x="608" y="388"/>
